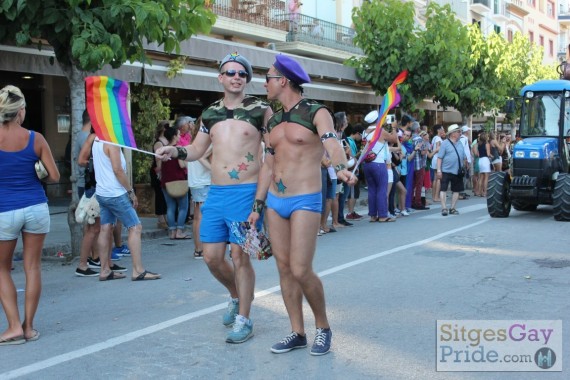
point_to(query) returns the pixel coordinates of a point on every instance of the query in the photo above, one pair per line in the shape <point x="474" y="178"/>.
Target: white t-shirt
<point x="198" y="175"/>
<point x="107" y="183"/>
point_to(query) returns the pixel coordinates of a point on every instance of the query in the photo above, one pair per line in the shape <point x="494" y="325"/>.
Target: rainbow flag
<point x="391" y="100"/>
<point x="107" y="108"/>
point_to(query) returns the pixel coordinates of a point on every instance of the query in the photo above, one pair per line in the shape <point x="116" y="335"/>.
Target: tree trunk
<point x="76" y="79"/>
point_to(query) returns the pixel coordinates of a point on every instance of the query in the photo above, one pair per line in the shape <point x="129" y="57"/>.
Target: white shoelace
<point x="238" y="325"/>
<point x="289" y="338"/>
<point x="320" y="338"/>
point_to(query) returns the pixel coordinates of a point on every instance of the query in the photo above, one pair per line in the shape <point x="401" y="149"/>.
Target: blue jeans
<point x="174" y="205"/>
<point x="118" y="208"/>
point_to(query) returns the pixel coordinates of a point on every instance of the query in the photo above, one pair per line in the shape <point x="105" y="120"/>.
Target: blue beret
<point x="291" y="69"/>
<point x="241" y="60"/>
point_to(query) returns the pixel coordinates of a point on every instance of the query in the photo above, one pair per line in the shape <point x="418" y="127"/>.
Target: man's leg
<point x="454" y="198"/>
<point x="244" y="279"/>
<point x="291" y="291"/>
<point x="103" y="246"/>
<point x="303" y="225"/>
<point x="221" y="269"/>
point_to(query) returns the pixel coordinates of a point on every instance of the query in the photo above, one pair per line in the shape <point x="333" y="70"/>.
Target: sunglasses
<point x="232" y="73"/>
<point x="268" y="76"/>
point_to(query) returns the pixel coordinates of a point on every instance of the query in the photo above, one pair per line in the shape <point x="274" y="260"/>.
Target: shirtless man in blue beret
<point x="290" y="183"/>
<point x="233" y="126"/>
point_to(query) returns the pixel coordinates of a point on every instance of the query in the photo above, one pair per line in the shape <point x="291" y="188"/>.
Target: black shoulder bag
<point x="461" y="171"/>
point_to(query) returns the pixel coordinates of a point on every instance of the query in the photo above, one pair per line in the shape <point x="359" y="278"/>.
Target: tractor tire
<point x="498" y="198"/>
<point x="523" y="206"/>
<point x="561" y="198"/>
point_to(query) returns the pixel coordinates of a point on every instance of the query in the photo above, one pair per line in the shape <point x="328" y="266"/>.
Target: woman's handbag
<point x="177" y="189"/>
<point x="40" y="169"/>
<point x="371" y="156"/>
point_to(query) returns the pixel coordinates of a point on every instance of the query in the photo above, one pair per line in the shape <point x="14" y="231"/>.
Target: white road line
<point x="59" y="359"/>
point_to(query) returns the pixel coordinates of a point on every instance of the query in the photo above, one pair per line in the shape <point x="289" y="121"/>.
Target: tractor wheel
<point x="561" y="198"/>
<point x="498" y="198"/>
<point x="523" y="206"/>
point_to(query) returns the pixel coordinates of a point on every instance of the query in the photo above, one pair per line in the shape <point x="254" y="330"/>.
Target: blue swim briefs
<point x="288" y="205"/>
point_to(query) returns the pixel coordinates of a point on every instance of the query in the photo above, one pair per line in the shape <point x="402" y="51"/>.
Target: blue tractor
<point x="540" y="168"/>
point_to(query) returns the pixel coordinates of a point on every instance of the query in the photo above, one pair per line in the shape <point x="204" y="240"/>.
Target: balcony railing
<point x="300" y="28"/>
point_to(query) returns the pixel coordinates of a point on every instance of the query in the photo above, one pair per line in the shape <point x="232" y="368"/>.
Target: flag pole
<point x="127" y="147"/>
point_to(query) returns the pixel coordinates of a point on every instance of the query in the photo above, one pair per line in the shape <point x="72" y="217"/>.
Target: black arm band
<point x="269" y="150"/>
<point x="258" y="206"/>
<point x="339" y="167"/>
<point x="328" y="135"/>
<point x="182" y="152"/>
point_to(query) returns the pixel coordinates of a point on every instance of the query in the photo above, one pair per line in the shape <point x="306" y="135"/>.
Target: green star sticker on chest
<point x="280" y="186"/>
<point x="249" y="157"/>
<point x="234" y="174"/>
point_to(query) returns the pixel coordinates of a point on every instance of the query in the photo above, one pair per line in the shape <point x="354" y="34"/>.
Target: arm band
<point x="271" y="151"/>
<point x="339" y="167"/>
<point x="258" y="206"/>
<point x="328" y="135"/>
<point x="182" y="153"/>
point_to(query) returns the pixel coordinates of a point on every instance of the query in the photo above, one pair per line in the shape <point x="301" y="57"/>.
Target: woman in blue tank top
<point x="23" y="209"/>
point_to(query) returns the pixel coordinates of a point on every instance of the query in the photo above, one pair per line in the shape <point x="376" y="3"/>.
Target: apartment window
<point x="476" y="22"/>
<point x="531" y="3"/>
<point x="510" y="36"/>
<point x="531" y="37"/>
<point x="497" y="29"/>
<point x="550" y="9"/>
<point x="541" y="39"/>
<point x="551" y="47"/>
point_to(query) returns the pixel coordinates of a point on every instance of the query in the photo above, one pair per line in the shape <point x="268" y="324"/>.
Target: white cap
<point x="371" y="117"/>
<point x="465" y="129"/>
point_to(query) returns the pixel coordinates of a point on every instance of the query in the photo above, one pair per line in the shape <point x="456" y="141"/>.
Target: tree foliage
<point x="453" y="64"/>
<point x="87" y="35"/>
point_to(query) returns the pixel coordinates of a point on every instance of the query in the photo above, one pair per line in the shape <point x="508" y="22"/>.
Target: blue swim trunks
<point x="288" y="205"/>
<point x="224" y="205"/>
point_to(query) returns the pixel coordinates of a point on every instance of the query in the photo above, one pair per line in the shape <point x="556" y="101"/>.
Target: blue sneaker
<point x="290" y="342"/>
<point x="322" y="343"/>
<point x="242" y="331"/>
<point x="123" y="250"/>
<point x="230" y="314"/>
<point x="115" y="257"/>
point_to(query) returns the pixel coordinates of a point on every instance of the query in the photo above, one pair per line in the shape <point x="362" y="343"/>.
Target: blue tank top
<point x="19" y="184"/>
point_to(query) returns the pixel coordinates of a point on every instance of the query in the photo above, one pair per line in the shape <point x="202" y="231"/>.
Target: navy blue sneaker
<point x="290" y="342"/>
<point x="322" y="343"/>
<point x="115" y="257"/>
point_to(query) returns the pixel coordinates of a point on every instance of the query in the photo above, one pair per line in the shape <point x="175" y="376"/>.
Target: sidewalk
<point x="58" y="239"/>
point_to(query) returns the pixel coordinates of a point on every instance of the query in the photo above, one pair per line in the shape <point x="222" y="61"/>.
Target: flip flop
<point x="185" y="237"/>
<point x="198" y="255"/>
<point x="332" y="229"/>
<point x="34" y="337"/>
<point x="387" y="220"/>
<point x="12" y="341"/>
<point x="143" y="277"/>
<point x="112" y="276"/>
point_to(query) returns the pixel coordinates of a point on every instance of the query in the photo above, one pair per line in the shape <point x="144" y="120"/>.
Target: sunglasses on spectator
<point x="269" y="76"/>
<point x="232" y="73"/>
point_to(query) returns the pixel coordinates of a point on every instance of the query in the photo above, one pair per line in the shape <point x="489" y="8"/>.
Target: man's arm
<point x="83" y="158"/>
<point x="190" y="152"/>
<point x="324" y="123"/>
<point x="263" y="183"/>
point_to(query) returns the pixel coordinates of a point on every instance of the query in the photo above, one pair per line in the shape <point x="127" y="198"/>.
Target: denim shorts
<point x="32" y="219"/>
<point x="119" y="208"/>
<point x="199" y="194"/>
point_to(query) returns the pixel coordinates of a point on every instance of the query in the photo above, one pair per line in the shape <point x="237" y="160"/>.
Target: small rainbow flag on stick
<point x="107" y="108"/>
<point x="391" y="100"/>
